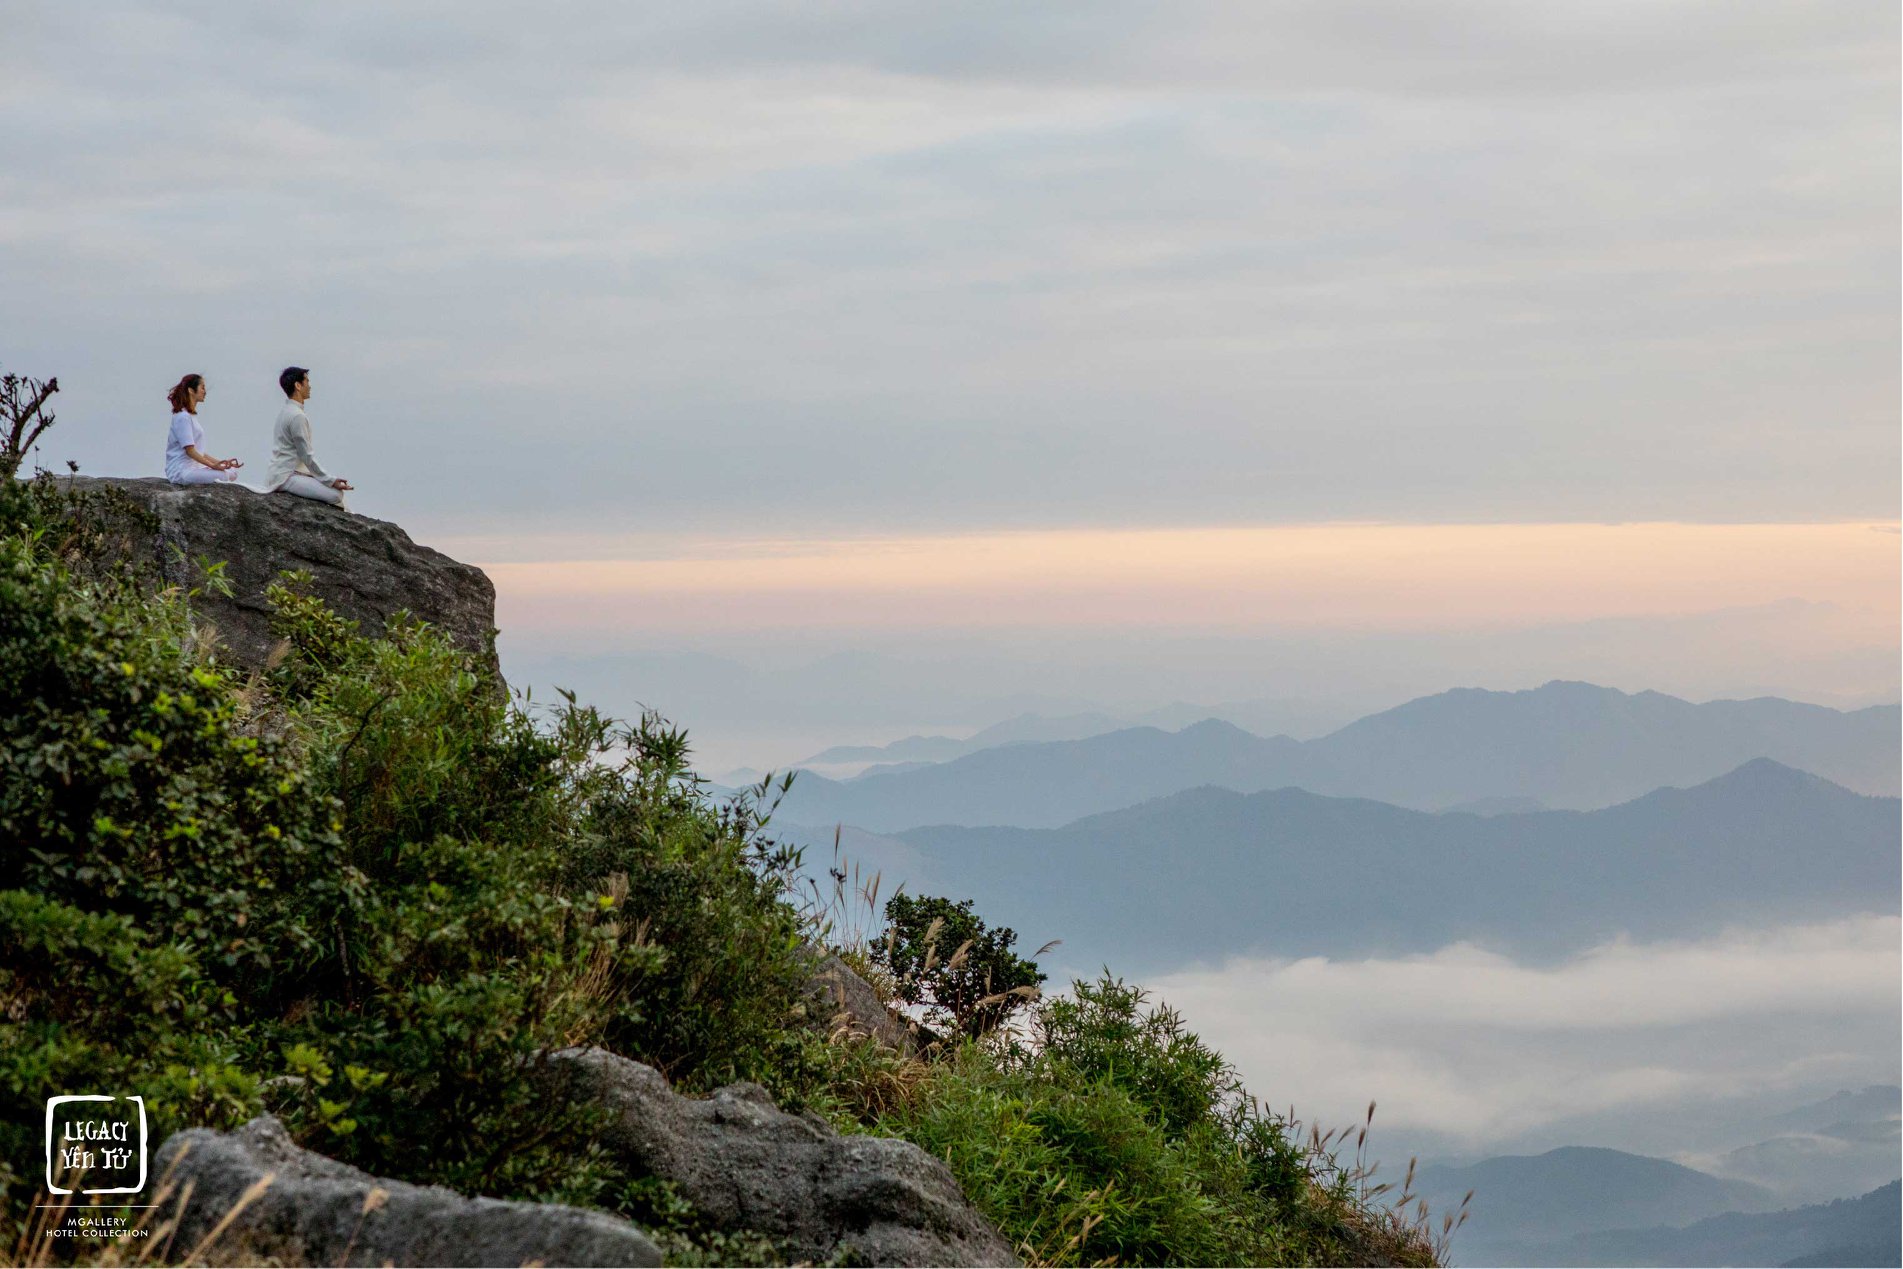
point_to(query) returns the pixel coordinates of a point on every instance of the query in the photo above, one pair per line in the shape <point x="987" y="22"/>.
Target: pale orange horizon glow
<point x="1350" y="576"/>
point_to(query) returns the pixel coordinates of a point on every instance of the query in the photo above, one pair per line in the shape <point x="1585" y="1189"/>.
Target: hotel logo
<point x="95" y="1145"/>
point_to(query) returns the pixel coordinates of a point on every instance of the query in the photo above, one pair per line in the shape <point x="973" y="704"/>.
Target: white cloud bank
<point x="1472" y="1049"/>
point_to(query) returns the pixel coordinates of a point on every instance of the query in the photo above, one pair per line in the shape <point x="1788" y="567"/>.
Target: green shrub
<point x="704" y="888"/>
<point x="153" y="856"/>
<point x="1118" y="1135"/>
<point x="130" y="787"/>
<point x="415" y="737"/>
<point x="536" y="885"/>
<point x="1103" y="1034"/>
<point x="940" y="954"/>
<point x="89" y="1001"/>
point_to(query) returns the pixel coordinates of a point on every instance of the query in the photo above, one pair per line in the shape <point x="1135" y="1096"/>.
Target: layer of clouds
<point x="764" y="267"/>
<point x="1465" y="1048"/>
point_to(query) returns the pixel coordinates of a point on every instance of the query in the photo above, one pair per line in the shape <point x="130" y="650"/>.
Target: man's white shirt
<point x="291" y="449"/>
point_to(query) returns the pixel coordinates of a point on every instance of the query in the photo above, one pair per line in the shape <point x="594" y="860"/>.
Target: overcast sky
<point x="864" y="268"/>
<point x="797" y="332"/>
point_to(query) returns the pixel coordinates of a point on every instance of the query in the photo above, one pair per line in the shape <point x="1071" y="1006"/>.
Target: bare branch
<point x="24" y="415"/>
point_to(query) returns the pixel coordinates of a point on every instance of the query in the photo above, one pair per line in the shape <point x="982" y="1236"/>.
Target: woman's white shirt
<point x="185" y="432"/>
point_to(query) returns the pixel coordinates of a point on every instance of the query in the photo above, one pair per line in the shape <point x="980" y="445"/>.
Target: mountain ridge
<point x="1575" y="1189"/>
<point x="1569" y="745"/>
<point x="1263" y="873"/>
<point x="1848" y="1231"/>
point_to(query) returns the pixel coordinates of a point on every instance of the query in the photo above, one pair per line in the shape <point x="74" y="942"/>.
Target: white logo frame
<point x="52" y="1184"/>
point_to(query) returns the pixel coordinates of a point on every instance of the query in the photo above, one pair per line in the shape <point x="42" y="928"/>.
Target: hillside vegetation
<point x="368" y="892"/>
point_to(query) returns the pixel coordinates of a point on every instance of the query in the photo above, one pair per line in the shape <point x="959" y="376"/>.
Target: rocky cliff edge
<point x="366" y="570"/>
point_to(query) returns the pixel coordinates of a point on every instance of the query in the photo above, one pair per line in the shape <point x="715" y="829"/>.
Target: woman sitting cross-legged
<point x="186" y="462"/>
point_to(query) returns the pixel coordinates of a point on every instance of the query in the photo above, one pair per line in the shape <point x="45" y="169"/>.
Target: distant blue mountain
<point x="1018" y="730"/>
<point x="1846" y="1232"/>
<point x="1875" y="1103"/>
<point x="1569" y="745"/>
<point x="1842" y="1145"/>
<point x="1576" y="1189"/>
<point x="1209" y="872"/>
<point x="1306" y="717"/>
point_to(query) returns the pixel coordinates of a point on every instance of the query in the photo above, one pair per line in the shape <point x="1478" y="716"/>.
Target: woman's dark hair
<point x="181" y="395"/>
<point x="291" y="377"/>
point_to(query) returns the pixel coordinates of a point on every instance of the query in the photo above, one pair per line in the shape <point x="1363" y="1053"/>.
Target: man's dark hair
<point x="292" y="376"/>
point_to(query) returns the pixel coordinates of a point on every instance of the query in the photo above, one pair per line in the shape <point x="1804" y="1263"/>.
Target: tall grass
<point x="148" y="1238"/>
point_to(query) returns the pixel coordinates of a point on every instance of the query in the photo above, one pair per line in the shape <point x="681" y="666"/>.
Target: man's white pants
<point x="311" y="487"/>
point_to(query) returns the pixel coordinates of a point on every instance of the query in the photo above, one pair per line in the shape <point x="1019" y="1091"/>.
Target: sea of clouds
<point x="1467" y="1051"/>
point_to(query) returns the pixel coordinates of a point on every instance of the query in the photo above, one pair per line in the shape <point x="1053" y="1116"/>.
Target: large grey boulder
<point x="746" y="1165"/>
<point x="316" y="1211"/>
<point x="365" y="569"/>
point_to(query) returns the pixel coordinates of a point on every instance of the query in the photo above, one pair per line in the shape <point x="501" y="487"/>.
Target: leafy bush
<point x="130" y="788"/>
<point x="723" y="998"/>
<point x="941" y="954"/>
<point x="536" y="886"/>
<point x="1102" y="1034"/>
<point x="1117" y="1135"/>
<point x="88" y="1000"/>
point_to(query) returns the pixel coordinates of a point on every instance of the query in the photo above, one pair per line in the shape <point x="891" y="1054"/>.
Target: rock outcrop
<point x="316" y="1211"/>
<point x="746" y="1165"/>
<point x="846" y="1001"/>
<point x="365" y="569"/>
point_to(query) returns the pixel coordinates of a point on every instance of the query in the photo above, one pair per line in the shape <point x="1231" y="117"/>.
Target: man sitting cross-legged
<point x="294" y="468"/>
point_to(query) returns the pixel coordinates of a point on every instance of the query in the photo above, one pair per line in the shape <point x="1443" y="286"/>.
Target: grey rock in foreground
<point x="313" y="1213"/>
<point x="365" y="569"/>
<point x="746" y="1165"/>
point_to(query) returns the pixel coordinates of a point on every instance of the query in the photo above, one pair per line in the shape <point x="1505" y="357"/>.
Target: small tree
<point x="944" y="958"/>
<point x="24" y="416"/>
